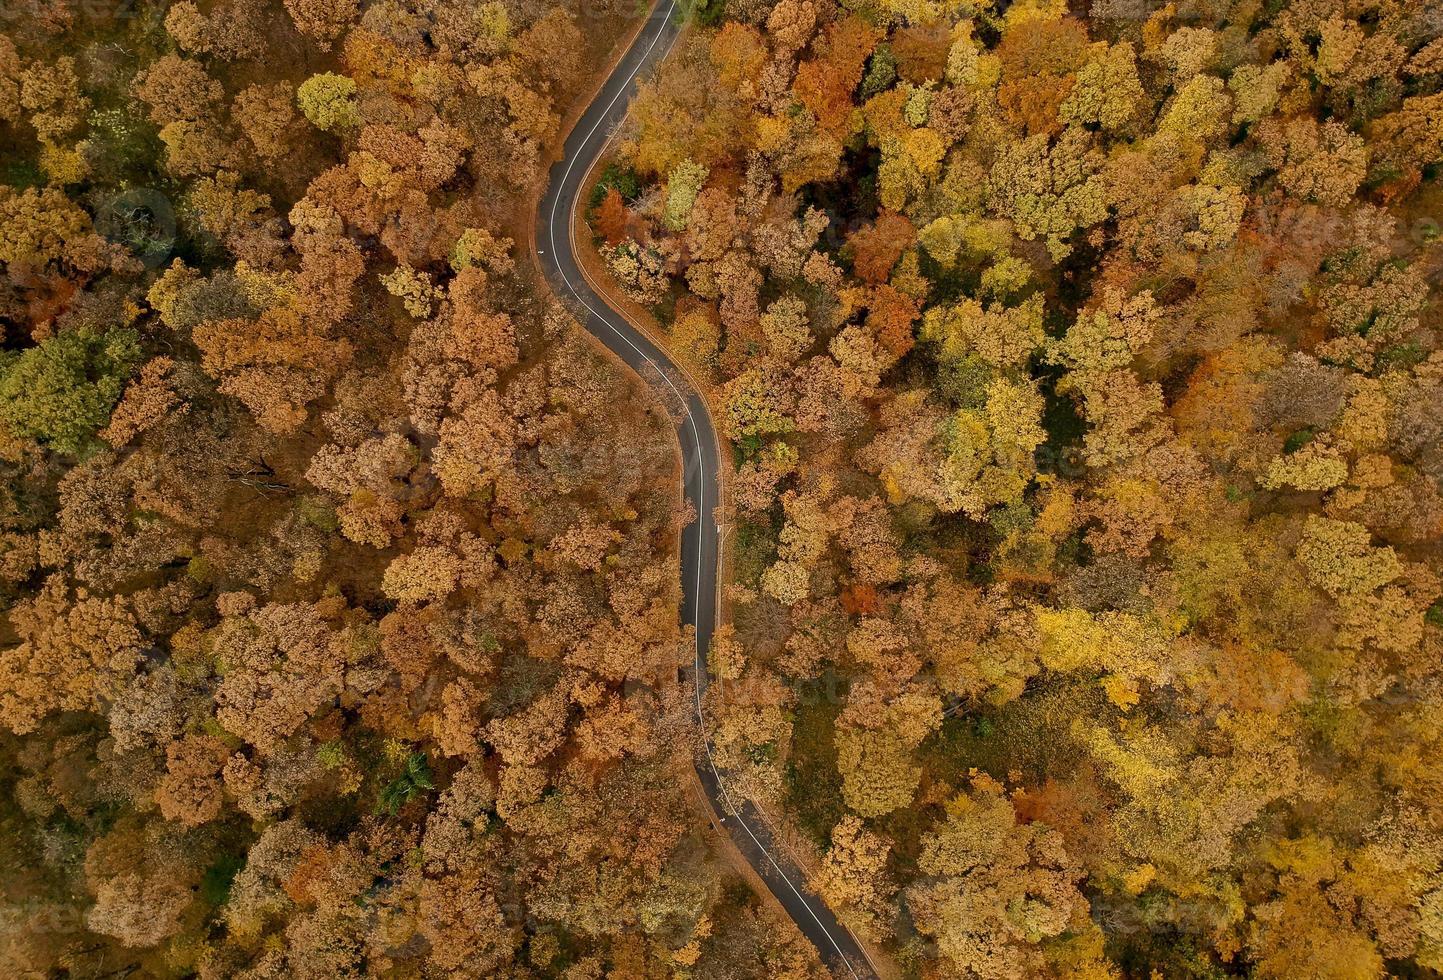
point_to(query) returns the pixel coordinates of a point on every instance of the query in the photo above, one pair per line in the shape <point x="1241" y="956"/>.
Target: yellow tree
<point x="854" y="879"/>
<point x="994" y="891"/>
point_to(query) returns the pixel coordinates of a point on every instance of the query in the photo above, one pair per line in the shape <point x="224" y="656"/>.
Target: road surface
<point x="701" y="480"/>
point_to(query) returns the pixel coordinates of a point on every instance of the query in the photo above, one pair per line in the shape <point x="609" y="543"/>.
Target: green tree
<point x="414" y="780"/>
<point x="61" y="391"/>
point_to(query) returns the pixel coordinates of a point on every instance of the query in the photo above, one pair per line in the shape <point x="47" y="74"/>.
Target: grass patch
<point x="22" y="173"/>
<point x="1064" y="425"/>
<point x="813" y="785"/>
<point x="1163" y="952"/>
<point x="753" y="547"/>
<point x="1032" y="734"/>
<point x="215" y="885"/>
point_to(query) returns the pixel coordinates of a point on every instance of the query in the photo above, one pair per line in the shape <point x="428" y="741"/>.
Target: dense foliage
<point x="340" y="630"/>
<point x="1083" y="371"/>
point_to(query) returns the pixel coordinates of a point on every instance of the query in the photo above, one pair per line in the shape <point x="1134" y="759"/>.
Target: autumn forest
<point x="1078" y="374"/>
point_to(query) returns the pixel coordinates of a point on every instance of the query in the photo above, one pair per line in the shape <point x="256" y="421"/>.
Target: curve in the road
<point x="701" y="472"/>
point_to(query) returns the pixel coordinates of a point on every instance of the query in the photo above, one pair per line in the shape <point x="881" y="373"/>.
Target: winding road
<point x="701" y="478"/>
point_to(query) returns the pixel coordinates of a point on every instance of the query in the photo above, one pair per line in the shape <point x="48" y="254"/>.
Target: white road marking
<point x="701" y="509"/>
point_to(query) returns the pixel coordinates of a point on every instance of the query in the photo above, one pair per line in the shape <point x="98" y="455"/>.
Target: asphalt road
<point x="701" y="479"/>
